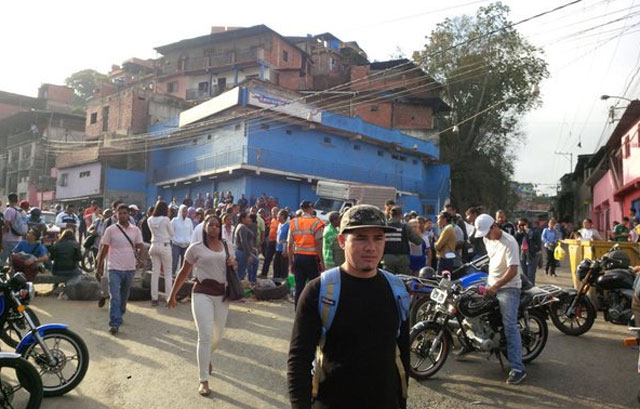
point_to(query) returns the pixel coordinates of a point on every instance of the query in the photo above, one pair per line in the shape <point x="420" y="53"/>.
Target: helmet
<point x="617" y="259"/>
<point x="583" y="269"/>
<point x="427" y="272"/>
<point x="35" y="212"/>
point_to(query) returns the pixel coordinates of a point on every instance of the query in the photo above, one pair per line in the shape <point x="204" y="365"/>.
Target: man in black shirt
<point x="504" y="224"/>
<point x="359" y="366"/>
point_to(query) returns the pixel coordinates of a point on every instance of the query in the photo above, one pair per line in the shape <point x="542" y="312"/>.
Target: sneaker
<point x="113" y="330"/>
<point x="515" y="377"/>
<point x="102" y="301"/>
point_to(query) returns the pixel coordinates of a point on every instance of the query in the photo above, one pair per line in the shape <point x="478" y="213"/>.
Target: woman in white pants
<point x="209" y="308"/>
<point x="160" y="250"/>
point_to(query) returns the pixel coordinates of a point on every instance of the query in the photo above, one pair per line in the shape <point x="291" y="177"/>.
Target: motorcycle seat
<point x="527" y="296"/>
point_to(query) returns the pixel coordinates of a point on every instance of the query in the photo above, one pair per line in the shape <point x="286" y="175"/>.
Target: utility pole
<point x="570" y="156"/>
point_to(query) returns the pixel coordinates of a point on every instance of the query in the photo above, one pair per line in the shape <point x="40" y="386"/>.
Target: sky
<point x="45" y="41"/>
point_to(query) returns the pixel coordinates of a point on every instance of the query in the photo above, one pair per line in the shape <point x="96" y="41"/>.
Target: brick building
<point x="27" y="139"/>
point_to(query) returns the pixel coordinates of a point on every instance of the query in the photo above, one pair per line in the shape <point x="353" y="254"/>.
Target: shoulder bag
<point x="133" y="247"/>
<point x="234" y="289"/>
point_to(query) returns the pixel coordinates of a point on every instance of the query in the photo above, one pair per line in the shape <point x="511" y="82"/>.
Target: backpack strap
<point x="328" y="299"/>
<point x="327" y="305"/>
<point x="403" y="301"/>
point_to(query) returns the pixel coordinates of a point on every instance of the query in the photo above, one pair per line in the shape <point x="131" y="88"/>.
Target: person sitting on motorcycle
<point x="504" y="283"/>
<point x="31" y="245"/>
<point x="34" y="221"/>
<point x="66" y="255"/>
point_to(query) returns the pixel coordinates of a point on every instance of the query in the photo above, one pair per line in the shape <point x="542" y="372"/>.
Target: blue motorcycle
<point x="469" y="274"/>
<point x="60" y="356"/>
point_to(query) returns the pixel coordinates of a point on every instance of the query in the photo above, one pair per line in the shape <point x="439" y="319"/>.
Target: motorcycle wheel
<point x="421" y="310"/>
<point x="420" y="341"/>
<point x="88" y="263"/>
<point x="66" y="347"/>
<point x="14" y="329"/>
<point x="535" y="338"/>
<point x="579" y="322"/>
<point x="20" y="384"/>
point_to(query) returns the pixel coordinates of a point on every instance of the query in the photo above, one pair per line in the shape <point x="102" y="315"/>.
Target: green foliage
<point x="490" y="74"/>
<point x="84" y="83"/>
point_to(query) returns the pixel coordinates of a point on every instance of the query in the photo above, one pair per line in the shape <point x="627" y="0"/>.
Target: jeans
<point x="210" y="315"/>
<point x="529" y="264"/>
<point x="550" y="268"/>
<point x="305" y="268"/>
<point x="177" y="253"/>
<point x="7" y="246"/>
<point x="247" y="268"/>
<point x="119" y="285"/>
<point x="280" y="265"/>
<point x="160" y="260"/>
<point x="268" y="256"/>
<point x="509" y="299"/>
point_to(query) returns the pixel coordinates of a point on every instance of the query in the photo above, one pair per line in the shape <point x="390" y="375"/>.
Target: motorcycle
<point x="478" y="326"/>
<point x="59" y="354"/>
<point x="613" y="280"/>
<point x="20" y="383"/>
<point x="634" y="342"/>
<point x="13" y="326"/>
<point x="470" y="273"/>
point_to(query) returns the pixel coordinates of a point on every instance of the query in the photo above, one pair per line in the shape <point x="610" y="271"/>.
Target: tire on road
<point x="275" y="293"/>
<point x="576" y="325"/>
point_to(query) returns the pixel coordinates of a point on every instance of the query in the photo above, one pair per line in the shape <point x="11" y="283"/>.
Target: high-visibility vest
<point x="303" y="233"/>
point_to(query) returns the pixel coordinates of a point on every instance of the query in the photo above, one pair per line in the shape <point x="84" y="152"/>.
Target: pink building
<point x="615" y="172"/>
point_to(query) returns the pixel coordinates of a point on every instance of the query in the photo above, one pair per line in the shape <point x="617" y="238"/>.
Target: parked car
<point x="53" y="231"/>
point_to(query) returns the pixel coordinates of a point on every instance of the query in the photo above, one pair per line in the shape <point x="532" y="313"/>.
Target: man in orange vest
<point x="305" y="247"/>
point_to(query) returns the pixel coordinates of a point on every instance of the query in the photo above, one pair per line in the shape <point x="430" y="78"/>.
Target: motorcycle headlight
<point x="28" y="292"/>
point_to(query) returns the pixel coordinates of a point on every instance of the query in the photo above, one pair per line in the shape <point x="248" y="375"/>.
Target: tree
<point x="487" y="71"/>
<point x="84" y="83"/>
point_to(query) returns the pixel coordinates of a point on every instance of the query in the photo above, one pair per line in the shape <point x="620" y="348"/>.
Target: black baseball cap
<point x="305" y="204"/>
<point x="364" y="216"/>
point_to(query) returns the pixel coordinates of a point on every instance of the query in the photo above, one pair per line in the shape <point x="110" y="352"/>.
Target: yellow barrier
<point x="587" y="249"/>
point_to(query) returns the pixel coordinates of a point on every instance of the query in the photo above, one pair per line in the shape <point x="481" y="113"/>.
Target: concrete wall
<point x="174" y="163"/>
<point x="80" y="186"/>
<point x="603" y="204"/>
<point x="630" y="142"/>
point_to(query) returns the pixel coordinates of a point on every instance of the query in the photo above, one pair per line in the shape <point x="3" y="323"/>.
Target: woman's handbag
<point x="234" y="290"/>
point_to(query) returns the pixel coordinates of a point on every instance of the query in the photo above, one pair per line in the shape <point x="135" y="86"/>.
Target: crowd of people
<point x="200" y="239"/>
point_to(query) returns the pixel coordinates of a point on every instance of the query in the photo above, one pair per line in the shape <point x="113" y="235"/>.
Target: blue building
<point x="257" y="139"/>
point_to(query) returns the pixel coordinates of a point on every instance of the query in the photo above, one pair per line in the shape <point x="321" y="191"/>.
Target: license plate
<point x="438" y="296"/>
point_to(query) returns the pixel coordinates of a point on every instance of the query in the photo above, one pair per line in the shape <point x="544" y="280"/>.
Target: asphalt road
<point x="151" y="364"/>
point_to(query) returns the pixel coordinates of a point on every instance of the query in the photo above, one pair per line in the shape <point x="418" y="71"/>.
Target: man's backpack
<point x="20" y="223"/>
<point x="328" y="305"/>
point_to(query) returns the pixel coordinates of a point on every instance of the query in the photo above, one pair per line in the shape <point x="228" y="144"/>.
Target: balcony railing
<point x="211" y="61"/>
<point x="196" y="93"/>
<point x="204" y="164"/>
<point x="289" y="163"/>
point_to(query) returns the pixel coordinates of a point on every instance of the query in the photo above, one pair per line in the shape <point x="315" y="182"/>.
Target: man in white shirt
<point x="504" y="283"/>
<point x="182" y="231"/>
<point x="68" y="219"/>
<point x="587" y="232"/>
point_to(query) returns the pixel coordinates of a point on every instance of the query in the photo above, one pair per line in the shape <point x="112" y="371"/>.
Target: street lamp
<point x="606" y="97"/>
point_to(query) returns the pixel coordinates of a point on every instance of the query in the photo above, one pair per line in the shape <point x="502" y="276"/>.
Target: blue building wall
<point x="299" y="149"/>
<point x="337" y="151"/>
<point x="124" y="180"/>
